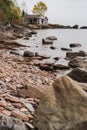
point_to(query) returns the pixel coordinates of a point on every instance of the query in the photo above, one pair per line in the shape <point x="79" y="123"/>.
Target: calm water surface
<point x="64" y="36"/>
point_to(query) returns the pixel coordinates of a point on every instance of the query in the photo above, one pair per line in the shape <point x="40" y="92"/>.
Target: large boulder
<point x="75" y="54"/>
<point x="63" y="107"/>
<point x="79" y="75"/>
<point x="10" y="123"/>
<point x="81" y="126"/>
<point x="78" y="62"/>
<point x="47" y="41"/>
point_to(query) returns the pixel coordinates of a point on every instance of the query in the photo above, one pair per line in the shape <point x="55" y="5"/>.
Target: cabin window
<point x="42" y="21"/>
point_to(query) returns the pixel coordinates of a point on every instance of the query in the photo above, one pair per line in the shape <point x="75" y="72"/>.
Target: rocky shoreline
<point x="29" y="100"/>
<point x="21" y="85"/>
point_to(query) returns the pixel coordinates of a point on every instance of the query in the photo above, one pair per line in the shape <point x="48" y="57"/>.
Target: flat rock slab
<point x="20" y="115"/>
<point x="63" y="107"/>
<point x="30" y="91"/>
<point x="52" y="67"/>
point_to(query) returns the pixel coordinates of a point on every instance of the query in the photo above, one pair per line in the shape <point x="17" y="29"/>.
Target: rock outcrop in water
<point x="52" y="38"/>
<point x="28" y="54"/>
<point x="46" y="41"/>
<point x="66" y="49"/>
<point x="75" y="54"/>
<point x="75" y="45"/>
<point x="79" y="75"/>
<point x="83" y="27"/>
<point x="63" y="107"/>
<point x="78" y="62"/>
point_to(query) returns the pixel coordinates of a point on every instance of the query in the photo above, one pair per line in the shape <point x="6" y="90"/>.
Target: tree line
<point x="11" y="13"/>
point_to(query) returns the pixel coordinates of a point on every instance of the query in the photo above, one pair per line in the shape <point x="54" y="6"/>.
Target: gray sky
<point x="67" y="12"/>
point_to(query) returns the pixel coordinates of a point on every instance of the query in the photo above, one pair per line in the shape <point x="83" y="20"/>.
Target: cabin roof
<point x="35" y="16"/>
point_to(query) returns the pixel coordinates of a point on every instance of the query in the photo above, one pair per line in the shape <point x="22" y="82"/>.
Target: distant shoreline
<point x="54" y="26"/>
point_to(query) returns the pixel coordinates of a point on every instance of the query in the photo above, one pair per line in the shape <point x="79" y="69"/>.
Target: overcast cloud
<point x="67" y="12"/>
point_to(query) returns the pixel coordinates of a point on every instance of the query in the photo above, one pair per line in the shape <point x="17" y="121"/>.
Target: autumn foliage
<point x="9" y="12"/>
<point x="40" y="9"/>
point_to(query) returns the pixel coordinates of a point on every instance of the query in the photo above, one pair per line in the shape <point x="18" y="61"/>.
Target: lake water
<point x="64" y="38"/>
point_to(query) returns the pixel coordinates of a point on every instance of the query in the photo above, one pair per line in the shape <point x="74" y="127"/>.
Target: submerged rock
<point x="63" y="107"/>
